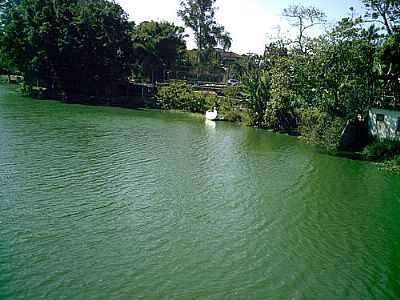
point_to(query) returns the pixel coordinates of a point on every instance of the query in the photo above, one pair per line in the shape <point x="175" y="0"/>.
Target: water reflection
<point x="211" y="124"/>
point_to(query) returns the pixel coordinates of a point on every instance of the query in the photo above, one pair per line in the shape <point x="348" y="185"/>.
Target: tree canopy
<point x="78" y="47"/>
<point x="158" y="47"/>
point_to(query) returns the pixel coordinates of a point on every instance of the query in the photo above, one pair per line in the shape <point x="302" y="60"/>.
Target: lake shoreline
<point x="387" y="165"/>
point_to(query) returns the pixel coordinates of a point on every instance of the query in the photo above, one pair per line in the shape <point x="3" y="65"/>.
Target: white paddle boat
<point x="212" y="115"/>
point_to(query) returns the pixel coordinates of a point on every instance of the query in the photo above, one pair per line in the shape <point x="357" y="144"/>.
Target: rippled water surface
<point x="106" y="203"/>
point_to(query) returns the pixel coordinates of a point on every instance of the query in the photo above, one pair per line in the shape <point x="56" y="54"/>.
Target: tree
<point x="6" y="9"/>
<point x="385" y="12"/>
<point x="390" y="72"/>
<point x="304" y="18"/>
<point x="98" y="45"/>
<point x="286" y="96"/>
<point x="6" y="66"/>
<point x="73" y="47"/>
<point x="391" y="55"/>
<point x="7" y="5"/>
<point x="158" y="47"/>
<point x="225" y="40"/>
<point x="275" y="49"/>
<point x="199" y="16"/>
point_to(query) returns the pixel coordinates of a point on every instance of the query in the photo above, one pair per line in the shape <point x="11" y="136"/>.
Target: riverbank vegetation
<point x="383" y="151"/>
<point x="320" y="86"/>
<point x="179" y="96"/>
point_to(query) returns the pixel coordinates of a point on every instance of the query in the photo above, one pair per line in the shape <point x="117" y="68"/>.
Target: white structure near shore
<point x="384" y="123"/>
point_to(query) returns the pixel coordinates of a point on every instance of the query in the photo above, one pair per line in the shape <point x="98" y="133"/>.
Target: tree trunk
<point x="387" y="25"/>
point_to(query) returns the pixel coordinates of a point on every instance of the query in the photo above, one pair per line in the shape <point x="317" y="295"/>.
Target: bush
<point x="321" y="128"/>
<point x="383" y="150"/>
<point x="178" y="95"/>
<point x="229" y="106"/>
<point x="235" y="115"/>
<point x="281" y="114"/>
<point x="256" y="88"/>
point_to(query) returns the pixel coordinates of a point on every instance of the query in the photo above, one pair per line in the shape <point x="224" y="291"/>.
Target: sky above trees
<point x="251" y="23"/>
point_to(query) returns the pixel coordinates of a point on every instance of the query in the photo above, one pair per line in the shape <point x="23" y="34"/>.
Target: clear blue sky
<point x="250" y="22"/>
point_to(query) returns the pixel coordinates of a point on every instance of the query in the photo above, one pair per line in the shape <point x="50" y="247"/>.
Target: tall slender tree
<point x="199" y="16"/>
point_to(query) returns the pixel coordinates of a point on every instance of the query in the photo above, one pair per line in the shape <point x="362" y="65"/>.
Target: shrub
<point x="178" y="95"/>
<point x="256" y="87"/>
<point x="383" y="150"/>
<point x="396" y="160"/>
<point x="229" y="106"/>
<point x="281" y="114"/>
<point x="321" y="128"/>
<point x="235" y="115"/>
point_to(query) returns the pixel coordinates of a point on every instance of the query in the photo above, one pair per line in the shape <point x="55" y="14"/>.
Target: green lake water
<point x="107" y="203"/>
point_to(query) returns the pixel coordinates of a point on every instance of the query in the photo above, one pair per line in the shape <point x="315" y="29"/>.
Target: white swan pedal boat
<point x="212" y="115"/>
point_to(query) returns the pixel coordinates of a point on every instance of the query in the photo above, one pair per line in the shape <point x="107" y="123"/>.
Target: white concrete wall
<point x="386" y="129"/>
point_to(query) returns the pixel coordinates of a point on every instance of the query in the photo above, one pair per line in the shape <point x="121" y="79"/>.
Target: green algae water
<point x="107" y="203"/>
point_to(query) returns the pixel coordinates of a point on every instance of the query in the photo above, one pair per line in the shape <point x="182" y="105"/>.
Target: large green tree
<point x="390" y="70"/>
<point x="158" y="46"/>
<point x="74" y="47"/>
<point x="6" y="9"/>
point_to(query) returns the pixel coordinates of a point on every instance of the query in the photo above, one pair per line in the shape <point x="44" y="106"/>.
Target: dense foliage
<point x="179" y="96"/>
<point x="73" y="47"/>
<point x="383" y="150"/>
<point x="84" y="48"/>
<point x="315" y="85"/>
<point x="158" y="47"/>
<point x="257" y="91"/>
